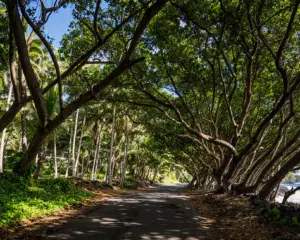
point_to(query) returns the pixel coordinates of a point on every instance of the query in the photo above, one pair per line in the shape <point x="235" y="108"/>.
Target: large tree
<point x="104" y="26"/>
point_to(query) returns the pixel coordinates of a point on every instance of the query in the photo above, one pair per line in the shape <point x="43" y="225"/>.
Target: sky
<point x="59" y="21"/>
<point x="58" y="24"/>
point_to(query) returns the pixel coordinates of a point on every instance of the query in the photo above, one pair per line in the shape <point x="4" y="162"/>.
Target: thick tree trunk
<point x="277" y="178"/>
<point x="2" y="146"/>
<point x="34" y="148"/>
<point x="31" y="79"/>
<point x="42" y="133"/>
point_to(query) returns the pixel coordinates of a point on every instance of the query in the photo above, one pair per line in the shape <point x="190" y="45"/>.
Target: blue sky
<point x="58" y="24"/>
<point x="59" y="21"/>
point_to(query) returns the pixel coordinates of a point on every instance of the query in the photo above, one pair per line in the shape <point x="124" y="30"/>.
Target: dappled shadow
<point x="160" y="213"/>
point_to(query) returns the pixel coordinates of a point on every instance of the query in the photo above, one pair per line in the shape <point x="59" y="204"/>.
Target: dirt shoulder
<point x="234" y="218"/>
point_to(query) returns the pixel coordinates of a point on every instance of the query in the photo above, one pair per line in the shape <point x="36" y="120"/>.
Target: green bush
<point x="295" y="222"/>
<point x="130" y="185"/>
<point x="274" y="215"/>
<point x="22" y="197"/>
<point x="12" y="160"/>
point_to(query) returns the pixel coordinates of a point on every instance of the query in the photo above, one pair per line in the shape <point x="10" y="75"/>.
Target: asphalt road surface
<point x="160" y="213"/>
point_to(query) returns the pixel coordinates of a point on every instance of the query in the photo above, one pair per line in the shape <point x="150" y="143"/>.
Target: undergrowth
<point x="22" y="198"/>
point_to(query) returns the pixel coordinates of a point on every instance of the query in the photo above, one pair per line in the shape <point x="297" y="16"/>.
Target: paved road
<point x="160" y="213"/>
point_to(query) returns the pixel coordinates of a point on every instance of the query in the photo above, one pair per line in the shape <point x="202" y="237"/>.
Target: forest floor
<point x="236" y="218"/>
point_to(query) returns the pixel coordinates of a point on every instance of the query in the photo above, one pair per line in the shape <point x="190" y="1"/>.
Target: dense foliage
<point x="21" y="198"/>
<point x="199" y="91"/>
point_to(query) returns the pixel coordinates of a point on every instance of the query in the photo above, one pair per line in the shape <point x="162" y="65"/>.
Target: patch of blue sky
<point x="59" y="22"/>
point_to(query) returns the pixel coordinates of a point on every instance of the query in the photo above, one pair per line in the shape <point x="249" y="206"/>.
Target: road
<point x="159" y="213"/>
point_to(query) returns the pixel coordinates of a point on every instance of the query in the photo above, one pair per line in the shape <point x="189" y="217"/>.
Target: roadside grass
<point x="22" y="198"/>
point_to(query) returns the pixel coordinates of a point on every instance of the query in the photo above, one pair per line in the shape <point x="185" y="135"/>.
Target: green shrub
<point x="12" y="160"/>
<point x="275" y="213"/>
<point x="22" y="197"/>
<point x="295" y="222"/>
<point x="130" y="185"/>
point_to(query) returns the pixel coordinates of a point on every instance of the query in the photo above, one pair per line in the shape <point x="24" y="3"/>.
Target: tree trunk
<point x="155" y="174"/>
<point x="88" y="162"/>
<point x="69" y="152"/>
<point x="74" y="144"/>
<point x="111" y="155"/>
<point x="124" y="163"/>
<point x="98" y="151"/>
<point x="23" y="131"/>
<point x="96" y="154"/>
<point x="82" y="167"/>
<point x="2" y="147"/>
<point x="55" y="159"/>
<point x="192" y="182"/>
<point x="84" y="98"/>
<point x="277" y="178"/>
<point x="79" y="146"/>
<point x="148" y="174"/>
<point x="30" y="76"/>
<point x="41" y="158"/>
<point x="289" y="193"/>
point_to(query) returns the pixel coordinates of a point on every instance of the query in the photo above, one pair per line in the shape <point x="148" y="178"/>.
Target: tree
<point x="48" y="125"/>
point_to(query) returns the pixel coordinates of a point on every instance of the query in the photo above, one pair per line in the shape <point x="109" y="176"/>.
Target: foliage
<point x="130" y="185"/>
<point x="276" y="216"/>
<point x="21" y="198"/>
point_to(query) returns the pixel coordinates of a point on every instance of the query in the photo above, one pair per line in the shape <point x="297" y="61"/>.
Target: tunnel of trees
<point x="207" y="89"/>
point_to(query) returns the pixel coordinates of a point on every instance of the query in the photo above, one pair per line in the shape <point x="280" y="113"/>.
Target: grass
<point x="22" y="198"/>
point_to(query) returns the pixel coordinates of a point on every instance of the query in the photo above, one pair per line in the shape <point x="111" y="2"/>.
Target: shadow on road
<point x="158" y="213"/>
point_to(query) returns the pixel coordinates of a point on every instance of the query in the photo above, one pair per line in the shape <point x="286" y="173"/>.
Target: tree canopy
<point x="207" y="89"/>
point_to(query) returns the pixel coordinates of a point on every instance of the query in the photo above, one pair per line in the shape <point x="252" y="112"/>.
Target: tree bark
<point x="155" y="174"/>
<point x="93" y="175"/>
<point x="55" y="159"/>
<point x="98" y="151"/>
<point x="278" y="176"/>
<point x="31" y="79"/>
<point x="88" y="96"/>
<point x="23" y="131"/>
<point x="124" y="163"/>
<point x="79" y="146"/>
<point x="74" y="144"/>
<point x="2" y="146"/>
<point x="39" y="165"/>
<point x="69" y="152"/>
<point x="111" y="155"/>
<point x="289" y="193"/>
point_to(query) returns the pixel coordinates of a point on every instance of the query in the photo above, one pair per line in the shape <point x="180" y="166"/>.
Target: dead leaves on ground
<point x="229" y="217"/>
